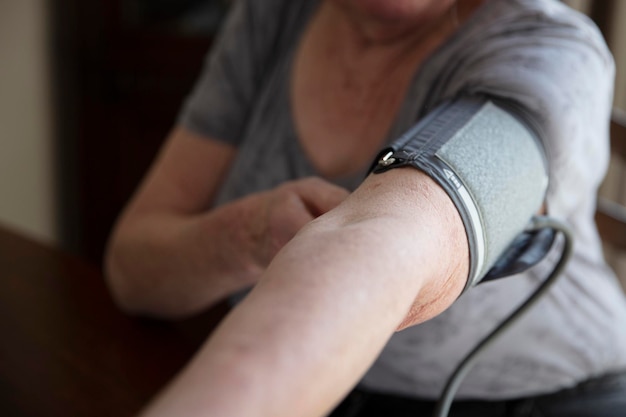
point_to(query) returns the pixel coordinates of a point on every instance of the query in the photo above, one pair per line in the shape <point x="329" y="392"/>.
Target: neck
<point x="380" y="45"/>
<point x="379" y="29"/>
<point x="386" y="28"/>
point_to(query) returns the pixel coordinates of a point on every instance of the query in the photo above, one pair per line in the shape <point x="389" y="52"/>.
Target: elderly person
<point x="296" y="99"/>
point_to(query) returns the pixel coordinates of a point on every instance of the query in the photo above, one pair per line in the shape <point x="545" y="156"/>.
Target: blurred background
<point x="90" y="88"/>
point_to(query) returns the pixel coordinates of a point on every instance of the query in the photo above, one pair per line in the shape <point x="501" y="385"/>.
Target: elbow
<point x="128" y="285"/>
<point x="136" y="284"/>
<point x="124" y="290"/>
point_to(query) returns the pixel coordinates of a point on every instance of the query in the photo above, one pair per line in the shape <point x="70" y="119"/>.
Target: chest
<point x="346" y="95"/>
<point x="342" y="114"/>
<point x="340" y="124"/>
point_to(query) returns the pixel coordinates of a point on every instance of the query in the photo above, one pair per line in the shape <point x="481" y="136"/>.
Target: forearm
<point x="269" y="357"/>
<point x="327" y="305"/>
<point x="167" y="264"/>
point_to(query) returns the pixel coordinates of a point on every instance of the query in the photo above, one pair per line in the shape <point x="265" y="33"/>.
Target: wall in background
<point x="26" y="138"/>
<point x="615" y="182"/>
<point x="618" y="45"/>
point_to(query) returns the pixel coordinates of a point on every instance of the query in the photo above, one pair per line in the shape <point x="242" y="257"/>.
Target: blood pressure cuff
<point x="486" y="155"/>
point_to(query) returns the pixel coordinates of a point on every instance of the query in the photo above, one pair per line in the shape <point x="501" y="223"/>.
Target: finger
<point x="318" y="195"/>
<point x="285" y="223"/>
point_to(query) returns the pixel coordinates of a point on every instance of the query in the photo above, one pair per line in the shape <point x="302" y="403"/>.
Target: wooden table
<point x="65" y="350"/>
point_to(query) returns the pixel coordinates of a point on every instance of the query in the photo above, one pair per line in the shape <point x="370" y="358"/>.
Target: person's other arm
<point x="171" y="256"/>
<point x="391" y="255"/>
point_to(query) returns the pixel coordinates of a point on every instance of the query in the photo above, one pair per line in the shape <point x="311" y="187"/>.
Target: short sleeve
<point x="220" y="101"/>
<point x="554" y="62"/>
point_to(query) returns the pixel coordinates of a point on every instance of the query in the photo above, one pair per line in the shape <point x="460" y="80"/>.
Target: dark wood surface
<point x="65" y="350"/>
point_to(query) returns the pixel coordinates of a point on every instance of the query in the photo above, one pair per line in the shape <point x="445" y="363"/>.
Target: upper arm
<point x="185" y="176"/>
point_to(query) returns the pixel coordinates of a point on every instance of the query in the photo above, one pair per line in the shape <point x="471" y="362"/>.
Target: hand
<point x="273" y="217"/>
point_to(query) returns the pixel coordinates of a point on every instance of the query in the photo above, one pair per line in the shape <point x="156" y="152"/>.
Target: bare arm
<point x="171" y="256"/>
<point x="392" y="255"/>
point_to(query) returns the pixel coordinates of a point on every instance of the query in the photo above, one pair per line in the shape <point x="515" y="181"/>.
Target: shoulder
<point x="266" y="20"/>
<point x="541" y="22"/>
<point x="551" y="61"/>
<point x="515" y="47"/>
<point x="252" y="40"/>
<point x="509" y="46"/>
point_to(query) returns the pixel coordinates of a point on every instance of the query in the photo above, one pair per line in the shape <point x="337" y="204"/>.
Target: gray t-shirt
<point x="538" y="53"/>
